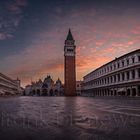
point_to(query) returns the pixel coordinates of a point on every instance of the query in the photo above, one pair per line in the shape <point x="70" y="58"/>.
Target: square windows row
<point x="116" y="78"/>
<point x="115" y="66"/>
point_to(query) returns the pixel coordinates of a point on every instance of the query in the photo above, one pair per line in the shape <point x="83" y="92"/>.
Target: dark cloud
<point x="10" y="17"/>
<point x="102" y="29"/>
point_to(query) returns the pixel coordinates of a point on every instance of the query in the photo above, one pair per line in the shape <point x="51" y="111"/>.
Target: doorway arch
<point x="134" y="92"/>
<point x="128" y="92"/>
<point x="45" y="92"/>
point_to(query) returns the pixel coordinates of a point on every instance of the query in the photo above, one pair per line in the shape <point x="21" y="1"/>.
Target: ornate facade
<point x="70" y="69"/>
<point x="45" y="88"/>
<point x="120" y="77"/>
<point x="9" y="86"/>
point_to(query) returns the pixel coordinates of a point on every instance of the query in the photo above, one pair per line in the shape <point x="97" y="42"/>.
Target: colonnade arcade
<point x="46" y="92"/>
<point x="115" y="91"/>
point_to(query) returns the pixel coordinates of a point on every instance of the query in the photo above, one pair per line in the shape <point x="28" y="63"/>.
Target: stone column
<point x="121" y="77"/>
<point x="106" y="92"/>
<point x="136" y="74"/>
<point x="116" y="77"/>
<point x="137" y="91"/>
<point x="125" y="62"/>
<point x="131" y="91"/>
<point x="130" y="74"/>
<point x="125" y="91"/>
<point x="136" y="58"/>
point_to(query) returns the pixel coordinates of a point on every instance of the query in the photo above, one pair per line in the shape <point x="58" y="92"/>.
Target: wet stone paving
<point x="70" y="118"/>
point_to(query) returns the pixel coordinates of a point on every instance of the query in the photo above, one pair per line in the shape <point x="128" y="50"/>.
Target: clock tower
<point x="70" y="69"/>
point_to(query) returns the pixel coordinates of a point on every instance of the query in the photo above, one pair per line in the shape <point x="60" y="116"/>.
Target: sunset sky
<point x="32" y="35"/>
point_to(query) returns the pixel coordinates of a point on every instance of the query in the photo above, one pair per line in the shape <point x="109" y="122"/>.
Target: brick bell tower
<point x="70" y="69"/>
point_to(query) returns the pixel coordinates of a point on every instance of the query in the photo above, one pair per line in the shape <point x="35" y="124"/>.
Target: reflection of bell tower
<point x="70" y="72"/>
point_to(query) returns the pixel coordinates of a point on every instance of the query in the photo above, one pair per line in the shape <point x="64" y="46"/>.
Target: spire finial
<point x="69" y="36"/>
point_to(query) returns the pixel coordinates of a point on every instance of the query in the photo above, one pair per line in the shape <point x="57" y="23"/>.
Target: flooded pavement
<point x="70" y="118"/>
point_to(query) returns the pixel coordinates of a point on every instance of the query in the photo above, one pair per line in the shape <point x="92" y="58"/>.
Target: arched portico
<point x="44" y="92"/>
<point x="134" y="92"/>
<point x="38" y="92"/>
<point x="51" y="92"/>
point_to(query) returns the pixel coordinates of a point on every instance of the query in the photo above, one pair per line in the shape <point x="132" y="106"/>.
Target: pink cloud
<point x="99" y="43"/>
<point x="4" y="36"/>
<point x="130" y="43"/>
<point x="26" y="74"/>
<point x="89" y="63"/>
<point x="136" y="30"/>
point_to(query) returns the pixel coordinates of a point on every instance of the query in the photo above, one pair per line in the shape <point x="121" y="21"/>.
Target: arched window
<point x="114" y="78"/>
<point x="139" y="72"/>
<point x="123" y="63"/>
<point x="114" y="66"/>
<point x="110" y="67"/>
<point x="133" y="74"/>
<point x="133" y="59"/>
<point x="118" y="64"/>
<point x="111" y="79"/>
<point x="105" y="80"/>
<point x="139" y="58"/>
<point x="118" y="77"/>
<point x="127" y="75"/>
<point x="102" y="82"/>
<point x="108" y="80"/>
<point x="127" y="61"/>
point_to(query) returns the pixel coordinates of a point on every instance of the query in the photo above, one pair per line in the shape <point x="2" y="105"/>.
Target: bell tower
<point x="70" y="69"/>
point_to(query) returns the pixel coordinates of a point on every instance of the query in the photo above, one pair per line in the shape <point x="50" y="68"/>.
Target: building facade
<point x="9" y="86"/>
<point x="78" y="87"/>
<point x="120" y="77"/>
<point x="70" y="69"/>
<point x="45" y="88"/>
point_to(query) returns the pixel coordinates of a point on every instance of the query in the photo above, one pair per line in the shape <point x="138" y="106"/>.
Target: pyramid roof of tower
<point x="69" y="36"/>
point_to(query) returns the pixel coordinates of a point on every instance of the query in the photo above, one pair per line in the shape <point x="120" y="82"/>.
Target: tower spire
<point x="70" y="67"/>
<point x="69" y="36"/>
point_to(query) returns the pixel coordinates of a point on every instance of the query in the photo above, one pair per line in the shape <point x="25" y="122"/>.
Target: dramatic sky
<point x="32" y="35"/>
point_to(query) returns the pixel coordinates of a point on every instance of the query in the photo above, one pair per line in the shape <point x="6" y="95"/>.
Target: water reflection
<point x="65" y="118"/>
